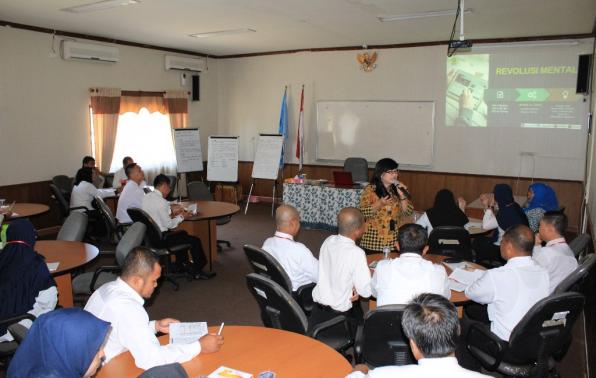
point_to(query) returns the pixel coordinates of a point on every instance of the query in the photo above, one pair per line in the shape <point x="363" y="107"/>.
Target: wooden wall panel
<point x="36" y="192"/>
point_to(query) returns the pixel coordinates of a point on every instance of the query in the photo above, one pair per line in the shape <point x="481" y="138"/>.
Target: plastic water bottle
<point x="386" y="251"/>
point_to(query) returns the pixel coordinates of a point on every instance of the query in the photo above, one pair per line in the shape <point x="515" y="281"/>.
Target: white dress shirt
<point x="444" y="367"/>
<point x="489" y="222"/>
<point x="558" y="260"/>
<point x="82" y="195"/>
<point x="45" y="301"/>
<point x="510" y="291"/>
<point x="119" y="175"/>
<point x="131" y="196"/>
<point x="397" y="281"/>
<point x="116" y="302"/>
<point x="342" y="267"/>
<point x="296" y="259"/>
<point x="159" y="209"/>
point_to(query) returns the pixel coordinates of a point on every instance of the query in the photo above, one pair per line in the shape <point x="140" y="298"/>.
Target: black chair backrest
<point x="173" y="183"/>
<point x="278" y="308"/>
<point x="548" y="324"/>
<point x="63" y="205"/>
<point x="266" y="265"/>
<point x="384" y="342"/>
<point x="574" y="280"/>
<point x="358" y="167"/>
<point x="450" y="241"/>
<point x="580" y="244"/>
<point x="133" y="237"/>
<point x="199" y="191"/>
<point x="153" y="235"/>
<point x="106" y="214"/>
<point x="74" y="227"/>
<point x="64" y="183"/>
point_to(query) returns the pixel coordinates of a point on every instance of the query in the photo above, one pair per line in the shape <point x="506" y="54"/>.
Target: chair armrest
<point x="16" y="319"/>
<point x="358" y="341"/>
<point x="304" y="295"/>
<point x="100" y="270"/>
<point x="481" y="336"/>
<point x="160" y="252"/>
<point x="328" y="324"/>
<point x="79" y="208"/>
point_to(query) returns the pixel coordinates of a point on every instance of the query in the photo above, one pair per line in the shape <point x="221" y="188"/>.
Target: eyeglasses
<point x="392" y="171"/>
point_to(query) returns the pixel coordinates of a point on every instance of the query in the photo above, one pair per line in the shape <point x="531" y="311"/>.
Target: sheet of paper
<point x="457" y="265"/>
<point x="53" y="266"/>
<point x="187" y="332"/>
<point x="457" y="286"/>
<point x="470" y="225"/>
<point x="226" y="372"/>
<point x="466" y="277"/>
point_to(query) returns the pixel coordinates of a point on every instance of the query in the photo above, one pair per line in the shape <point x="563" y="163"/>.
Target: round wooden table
<point x="253" y="350"/>
<point x="26" y="210"/>
<point x="204" y="224"/>
<point x="70" y="255"/>
<point x="457" y="297"/>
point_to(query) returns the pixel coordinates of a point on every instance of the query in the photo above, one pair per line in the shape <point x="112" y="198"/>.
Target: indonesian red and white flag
<point x="300" y="134"/>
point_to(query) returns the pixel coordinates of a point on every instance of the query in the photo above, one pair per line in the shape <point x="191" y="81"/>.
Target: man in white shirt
<point x="169" y="217"/>
<point x="296" y="259"/>
<point x="431" y="325"/>
<point x="120" y="302"/>
<point x="397" y="281"/>
<point x="132" y="194"/>
<point x="556" y="256"/>
<point x="511" y="290"/>
<point x="343" y="272"/>
<point x="120" y="176"/>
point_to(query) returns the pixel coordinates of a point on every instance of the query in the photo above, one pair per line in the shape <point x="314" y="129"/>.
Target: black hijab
<point x="510" y="213"/>
<point x="23" y="273"/>
<point x="445" y="211"/>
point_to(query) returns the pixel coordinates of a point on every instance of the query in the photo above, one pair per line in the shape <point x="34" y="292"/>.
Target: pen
<point x="220" y="329"/>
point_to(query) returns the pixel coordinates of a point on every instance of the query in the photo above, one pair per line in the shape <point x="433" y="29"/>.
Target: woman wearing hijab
<point x="384" y="205"/>
<point x="65" y="343"/>
<point x="541" y="198"/>
<point x="445" y="212"/>
<point x="26" y="285"/>
<point x="500" y="212"/>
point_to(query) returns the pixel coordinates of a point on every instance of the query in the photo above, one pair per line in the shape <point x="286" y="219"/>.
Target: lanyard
<point x="283" y="237"/>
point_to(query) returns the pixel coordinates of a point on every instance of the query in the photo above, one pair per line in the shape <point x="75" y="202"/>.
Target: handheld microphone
<point x="395" y="185"/>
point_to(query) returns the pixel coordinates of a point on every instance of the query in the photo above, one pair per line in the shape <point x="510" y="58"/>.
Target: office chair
<point x="541" y="334"/>
<point x="575" y="280"/>
<point x="173" y="183"/>
<point x="580" y="244"/>
<point x="74" y="227"/>
<point x="452" y="241"/>
<point x="114" y="228"/>
<point x="380" y="341"/>
<point x="65" y="184"/>
<point x="358" y="167"/>
<point x="18" y="332"/>
<point x="267" y="266"/>
<point x="199" y="191"/>
<point x="63" y="205"/>
<point x="279" y="310"/>
<point x="154" y="238"/>
<point x="86" y="283"/>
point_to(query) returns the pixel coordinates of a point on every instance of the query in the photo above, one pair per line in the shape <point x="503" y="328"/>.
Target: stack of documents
<point x="460" y="279"/>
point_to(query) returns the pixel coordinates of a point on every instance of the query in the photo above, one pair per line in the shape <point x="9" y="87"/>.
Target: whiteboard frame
<point x="371" y="163"/>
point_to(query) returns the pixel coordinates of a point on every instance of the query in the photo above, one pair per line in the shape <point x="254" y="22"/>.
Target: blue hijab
<point x="61" y="343"/>
<point x="23" y="272"/>
<point x="510" y="213"/>
<point x="544" y="197"/>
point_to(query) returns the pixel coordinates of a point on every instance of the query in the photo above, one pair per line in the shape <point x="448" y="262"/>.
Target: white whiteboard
<point x="267" y="156"/>
<point x="222" y="158"/>
<point x="189" y="157"/>
<point x="403" y="130"/>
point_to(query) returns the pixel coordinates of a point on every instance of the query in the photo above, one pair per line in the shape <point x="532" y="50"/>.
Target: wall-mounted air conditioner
<point x="72" y="50"/>
<point x="182" y="63"/>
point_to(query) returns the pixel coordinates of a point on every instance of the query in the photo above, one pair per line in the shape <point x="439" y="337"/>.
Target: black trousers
<point x="196" y="248"/>
<point x="321" y="313"/>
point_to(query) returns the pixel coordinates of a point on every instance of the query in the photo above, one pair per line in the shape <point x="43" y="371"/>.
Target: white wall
<point x="250" y="91"/>
<point x="44" y="126"/>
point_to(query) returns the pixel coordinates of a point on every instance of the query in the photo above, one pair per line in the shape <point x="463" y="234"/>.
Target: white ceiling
<point x="300" y="24"/>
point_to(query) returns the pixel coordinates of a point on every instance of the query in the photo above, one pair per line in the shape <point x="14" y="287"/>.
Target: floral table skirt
<point x="319" y="205"/>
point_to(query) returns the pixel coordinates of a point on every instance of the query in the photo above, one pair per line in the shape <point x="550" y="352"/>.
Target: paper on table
<point x="53" y="266"/>
<point x="187" y="332"/>
<point x="226" y="372"/>
<point x="457" y="286"/>
<point x="457" y="265"/>
<point x="469" y="225"/>
<point x="466" y="277"/>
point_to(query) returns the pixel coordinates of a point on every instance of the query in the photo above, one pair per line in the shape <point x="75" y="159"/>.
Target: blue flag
<point x="283" y="126"/>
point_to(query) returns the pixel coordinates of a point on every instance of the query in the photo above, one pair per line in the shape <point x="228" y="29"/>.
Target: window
<point x="147" y="138"/>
